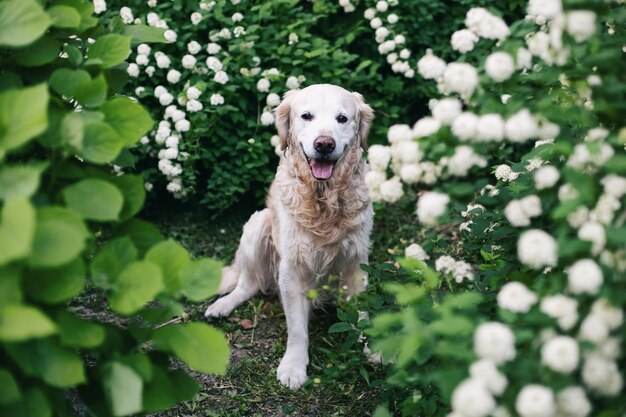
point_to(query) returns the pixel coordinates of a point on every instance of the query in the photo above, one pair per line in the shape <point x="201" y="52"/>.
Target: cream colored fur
<point x="311" y="228"/>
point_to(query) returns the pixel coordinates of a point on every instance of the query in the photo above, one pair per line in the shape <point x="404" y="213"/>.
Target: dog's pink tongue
<point x="322" y="170"/>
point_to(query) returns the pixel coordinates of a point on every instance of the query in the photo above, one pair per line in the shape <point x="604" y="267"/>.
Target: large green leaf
<point x="64" y="16"/>
<point x="143" y="234"/>
<point x="199" y="345"/>
<point x="111" y="49"/>
<point x="75" y="331"/>
<point x="22" y="22"/>
<point x="17" y="230"/>
<point x="32" y="404"/>
<point x="42" y="52"/>
<point x="93" y="92"/>
<point x="10" y="285"/>
<point x="20" y="181"/>
<point x="55" y="285"/>
<point x="22" y="322"/>
<point x="201" y="279"/>
<point x="129" y="119"/>
<point x="101" y="144"/>
<point x="166" y="389"/>
<point x="123" y="388"/>
<point x="23" y="115"/>
<point x="111" y="259"/>
<point x="94" y="199"/>
<point x="85" y="9"/>
<point x="136" y="285"/>
<point x="59" y="237"/>
<point x="132" y="186"/>
<point x="144" y="34"/>
<point x="10" y="391"/>
<point x="65" y="81"/>
<point x="171" y="257"/>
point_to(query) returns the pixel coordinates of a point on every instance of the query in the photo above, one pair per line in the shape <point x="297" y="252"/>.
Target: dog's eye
<point x="342" y="118"/>
<point x="307" y="116"/>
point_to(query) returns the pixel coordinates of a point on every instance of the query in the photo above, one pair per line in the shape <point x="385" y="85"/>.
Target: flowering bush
<point x="520" y="176"/>
<point x="68" y="225"/>
<point x="214" y="86"/>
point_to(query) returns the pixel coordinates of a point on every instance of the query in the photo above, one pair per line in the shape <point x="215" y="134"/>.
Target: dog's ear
<point x="365" y="115"/>
<point x="283" y="122"/>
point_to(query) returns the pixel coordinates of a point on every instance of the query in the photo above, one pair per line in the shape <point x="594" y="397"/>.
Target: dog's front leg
<point x="292" y="369"/>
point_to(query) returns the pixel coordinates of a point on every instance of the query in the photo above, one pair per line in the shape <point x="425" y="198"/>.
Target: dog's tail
<point x="230" y="276"/>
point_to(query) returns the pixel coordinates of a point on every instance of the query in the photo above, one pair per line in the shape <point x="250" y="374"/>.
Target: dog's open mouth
<point x="322" y="169"/>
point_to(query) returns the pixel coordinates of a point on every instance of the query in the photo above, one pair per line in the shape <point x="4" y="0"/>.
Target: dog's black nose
<point x="324" y="144"/>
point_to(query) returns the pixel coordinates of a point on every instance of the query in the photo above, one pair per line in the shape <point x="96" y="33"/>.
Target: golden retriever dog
<point x="318" y="217"/>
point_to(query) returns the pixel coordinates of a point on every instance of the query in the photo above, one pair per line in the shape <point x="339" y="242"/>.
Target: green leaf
<point x="452" y="325"/>
<point x="94" y="199"/>
<point x="10" y="285"/>
<point x="111" y="259"/>
<point x="54" y="286"/>
<point x="23" y="115"/>
<point x="65" y="81"/>
<point x="101" y="143"/>
<point x="93" y="92"/>
<point x="72" y="130"/>
<point x="22" y="22"/>
<point x="85" y="9"/>
<point x="144" y="34"/>
<point x="59" y="237"/>
<point x="381" y="411"/>
<point x="166" y="389"/>
<point x="21" y="322"/>
<point x="136" y="285"/>
<point x="123" y="388"/>
<point x="17" y="230"/>
<point x="132" y="186"/>
<point x="467" y="300"/>
<point x="111" y="49"/>
<point x="129" y="119"/>
<point x="340" y="327"/>
<point x="140" y="362"/>
<point x="172" y="258"/>
<point x="42" y="52"/>
<point x="419" y="269"/>
<point x="143" y="234"/>
<point x="10" y="391"/>
<point x="75" y="331"/>
<point x="201" y="279"/>
<point x="200" y="346"/>
<point x="65" y="17"/>
<point x="32" y="404"/>
<point x="20" y="181"/>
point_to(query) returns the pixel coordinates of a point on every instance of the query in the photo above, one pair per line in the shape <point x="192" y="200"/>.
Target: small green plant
<point x="68" y="224"/>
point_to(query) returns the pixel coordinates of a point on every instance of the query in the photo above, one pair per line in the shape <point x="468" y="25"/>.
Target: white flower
<point x="376" y="22"/>
<point x="143" y="49"/>
<point x="178" y="115"/>
<point x="150" y="70"/>
<point x="578" y="217"/>
<point x="430" y="66"/>
<point x="169" y="153"/>
<point x="546" y="177"/>
<point x="166" y="99"/>
<point x="463" y="40"/>
<point x="263" y="85"/>
<point x="602" y="376"/>
<point x="593" y="329"/>
<point x="535" y="401"/>
<point x="581" y="24"/>
<point x="182" y="125"/>
<point x="521" y="126"/>
<point x="499" y="66"/>
<point x="139" y="90"/>
<point x="172" y="141"/>
<point x="133" y="70"/>
<point x="523" y="58"/>
<point x="213" y="63"/>
<point x="193" y="93"/>
<point x="561" y="308"/>
<point x="460" y="78"/>
<point x="272" y="99"/>
<point x="516" y="297"/>
<point x="445" y="110"/>
<point x="174" y="186"/>
<point x="391" y="190"/>
<point x="425" y="126"/>
<point x="170" y="35"/>
<point x="416" y="251"/>
<point x="216" y="99"/>
<point x="610" y="348"/>
<point x="398" y="133"/>
<point x="407" y="152"/>
<point x="196" y="18"/>
<point x="189" y="61"/>
<point x="237" y="17"/>
<point x="546" y="8"/>
<point x="614" y="185"/>
<point x="373" y="181"/>
<point x="490" y="128"/>
<point x="463" y="159"/>
<point x="379" y="157"/>
<point x="485" y="371"/>
<point x="392" y="18"/>
<point x="515" y="214"/>
<point x="213" y="48"/>
<point x="613" y="317"/>
<point x="594" y="233"/>
<point x="267" y="118"/>
<point x="221" y="77"/>
<point x="572" y="402"/>
<point x="430" y="206"/>
<point x="537" y="249"/>
<point x="531" y="205"/>
<point x="99" y="6"/>
<point x="584" y="276"/>
<point x="464" y="126"/>
<point x="142" y="60"/>
<point x="471" y="399"/>
<point x="504" y="172"/>
<point x="486" y="25"/>
<point x="411" y="173"/>
<point x="292" y="83"/>
<point x="162" y="61"/>
<point x="494" y="341"/>
<point x="127" y="15"/>
<point x="194" y="106"/>
<point x="173" y="76"/>
<point x="561" y="354"/>
<point x="369" y="14"/>
<point x="382" y="6"/>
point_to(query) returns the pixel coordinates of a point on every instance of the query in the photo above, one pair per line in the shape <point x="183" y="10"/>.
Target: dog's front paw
<point x="292" y="373"/>
<point x="372" y="357"/>
<point x="220" y="308"/>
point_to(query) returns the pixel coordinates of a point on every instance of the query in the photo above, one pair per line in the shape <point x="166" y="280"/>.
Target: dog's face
<point x="323" y="121"/>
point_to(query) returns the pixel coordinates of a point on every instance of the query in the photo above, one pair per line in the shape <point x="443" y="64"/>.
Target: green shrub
<point x="68" y="225"/>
